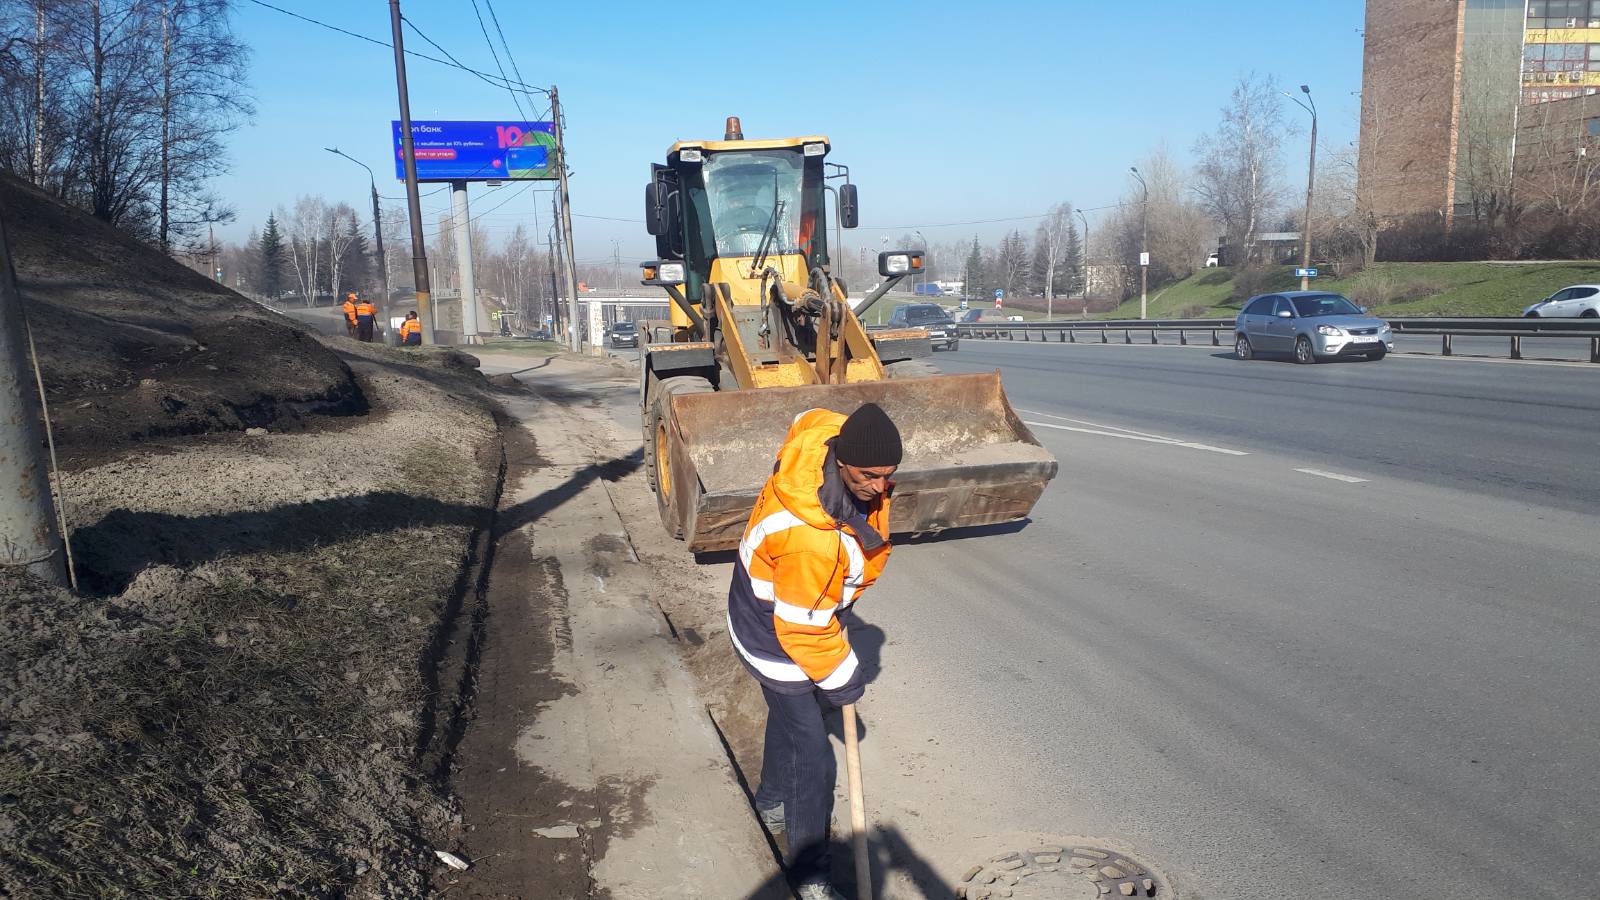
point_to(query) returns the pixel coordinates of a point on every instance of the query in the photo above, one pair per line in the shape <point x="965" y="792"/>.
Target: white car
<point x="1578" y="301"/>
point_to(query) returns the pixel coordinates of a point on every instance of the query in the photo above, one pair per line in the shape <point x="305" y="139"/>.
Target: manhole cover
<point x="1060" y="872"/>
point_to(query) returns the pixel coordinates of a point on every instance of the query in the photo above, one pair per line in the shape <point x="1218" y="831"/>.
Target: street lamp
<point x="377" y="230"/>
<point x="1144" y="246"/>
<point x="924" y="254"/>
<point x="1085" y="273"/>
<point x="1311" y="180"/>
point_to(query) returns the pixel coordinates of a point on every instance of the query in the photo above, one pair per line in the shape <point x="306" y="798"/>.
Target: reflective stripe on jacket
<point x="798" y="568"/>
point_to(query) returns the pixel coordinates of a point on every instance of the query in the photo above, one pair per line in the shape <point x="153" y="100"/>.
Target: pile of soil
<point x="134" y="345"/>
<point x="245" y="696"/>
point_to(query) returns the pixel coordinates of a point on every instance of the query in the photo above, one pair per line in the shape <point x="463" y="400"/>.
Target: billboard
<point x="478" y="151"/>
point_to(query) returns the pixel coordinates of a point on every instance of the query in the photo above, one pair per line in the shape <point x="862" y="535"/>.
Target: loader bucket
<point x="968" y="459"/>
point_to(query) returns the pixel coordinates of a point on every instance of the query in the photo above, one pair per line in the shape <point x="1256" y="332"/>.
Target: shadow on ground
<point x="113" y="550"/>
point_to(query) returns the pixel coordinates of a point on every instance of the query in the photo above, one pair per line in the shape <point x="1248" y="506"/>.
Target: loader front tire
<point x="657" y="445"/>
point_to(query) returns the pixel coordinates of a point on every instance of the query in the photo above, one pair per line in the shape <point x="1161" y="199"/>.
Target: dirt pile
<point x="240" y="701"/>
<point x="134" y="345"/>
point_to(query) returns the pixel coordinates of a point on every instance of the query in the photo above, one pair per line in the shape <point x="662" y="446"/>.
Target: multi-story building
<point x="1445" y="87"/>
<point x="1561" y="50"/>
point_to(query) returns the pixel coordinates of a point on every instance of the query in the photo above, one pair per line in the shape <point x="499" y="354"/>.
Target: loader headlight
<point x="689" y="155"/>
<point x="815" y="149"/>
<point x="899" y="262"/>
<point x="660" y="272"/>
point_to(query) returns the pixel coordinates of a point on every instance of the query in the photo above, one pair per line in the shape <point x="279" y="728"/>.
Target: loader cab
<point x="729" y="208"/>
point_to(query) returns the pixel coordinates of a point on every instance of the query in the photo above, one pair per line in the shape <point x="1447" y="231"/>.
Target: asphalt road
<point x="1281" y="631"/>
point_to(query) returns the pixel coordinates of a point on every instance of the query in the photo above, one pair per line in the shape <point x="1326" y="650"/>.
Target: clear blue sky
<point x="945" y="111"/>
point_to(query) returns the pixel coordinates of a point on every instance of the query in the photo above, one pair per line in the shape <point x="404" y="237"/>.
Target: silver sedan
<point x="1311" y="325"/>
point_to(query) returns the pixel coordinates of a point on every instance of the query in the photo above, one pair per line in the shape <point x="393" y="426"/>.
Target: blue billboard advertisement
<point x="478" y="151"/>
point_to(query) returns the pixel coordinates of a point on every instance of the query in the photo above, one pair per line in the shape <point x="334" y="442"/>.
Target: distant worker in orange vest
<point x="411" y="330"/>
<point x="366" y="315"/>
<point x="350" y="313"/>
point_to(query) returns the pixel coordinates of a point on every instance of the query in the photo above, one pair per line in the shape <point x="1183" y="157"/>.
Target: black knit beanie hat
<point x="868" y="439"/>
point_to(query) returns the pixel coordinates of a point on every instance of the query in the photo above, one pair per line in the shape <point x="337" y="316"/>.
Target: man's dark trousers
<point x="797" y="770"/>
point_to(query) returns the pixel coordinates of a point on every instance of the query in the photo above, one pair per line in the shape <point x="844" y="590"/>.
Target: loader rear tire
<point x="658" y="465"/>
<point x="911" y="368"/>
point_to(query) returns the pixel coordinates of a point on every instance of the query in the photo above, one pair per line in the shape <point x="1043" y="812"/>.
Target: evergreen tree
<point x="1069" y="268"/>
<point x="976" y="281"/>
<point x="358" y="269"/>
<point x="268" y="277"/>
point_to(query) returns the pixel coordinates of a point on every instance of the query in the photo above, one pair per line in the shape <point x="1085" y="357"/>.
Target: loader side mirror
<point x="655" y="208"/>
<point x="849" y="210"/>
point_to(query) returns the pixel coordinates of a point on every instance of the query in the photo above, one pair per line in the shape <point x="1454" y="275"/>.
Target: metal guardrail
<point x="1104" y="331"/>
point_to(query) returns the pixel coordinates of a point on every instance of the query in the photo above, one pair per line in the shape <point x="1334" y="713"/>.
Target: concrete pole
<point x="419" y="246"/>
<point x="469" y="294"/>
<point x="28" y="533"/>
<point x="566" y="218"/>
<point x="383" y="265"/>
<point x="1311" y="183"/>
<point x="1144" y="247"/>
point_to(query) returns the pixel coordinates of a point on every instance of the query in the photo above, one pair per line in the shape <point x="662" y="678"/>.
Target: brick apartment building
<point x="1468" y="103"/>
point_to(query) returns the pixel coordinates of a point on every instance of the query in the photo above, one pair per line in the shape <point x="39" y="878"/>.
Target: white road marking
<point x="1348" y="479"/>
<point x="1150" y="439"/>
<point x="1147" y="434"/>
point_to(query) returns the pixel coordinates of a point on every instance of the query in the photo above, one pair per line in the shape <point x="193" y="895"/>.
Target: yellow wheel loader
<point x="761" y="331"/>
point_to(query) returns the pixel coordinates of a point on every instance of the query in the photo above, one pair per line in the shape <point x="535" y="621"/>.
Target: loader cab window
<point x="743" y="190"/>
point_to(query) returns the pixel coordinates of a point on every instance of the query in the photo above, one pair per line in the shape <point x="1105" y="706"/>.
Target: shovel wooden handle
<point x="858" y="808"/>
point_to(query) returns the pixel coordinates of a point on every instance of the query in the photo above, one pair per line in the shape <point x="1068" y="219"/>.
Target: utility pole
<point x="1144" y="246"/>
<point x="29" y="536"/>
<point x="1311" y="181"/>
<point x="558" y="283"/>
<point x="566" y="217"/>
<point x="1085" y="220"/>
<point x="469" y="293"/>
<point x="419" y="248"/>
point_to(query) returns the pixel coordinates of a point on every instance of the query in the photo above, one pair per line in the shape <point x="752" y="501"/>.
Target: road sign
<point x="1305" y="273"/>
<point x="963" y="303"/>
<point x="478" y="151"/>
<point x="999" y="293"/>
<point x="1144" y="259"/>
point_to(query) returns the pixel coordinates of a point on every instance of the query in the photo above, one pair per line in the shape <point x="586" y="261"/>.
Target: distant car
<point x="624" y="334"/>
<point x="1015" y="319"/>
<point x="1211" y="261"/>
<point x="932" y="317"/>
<point x="1581" y="301"/>
<point x="1312" y="325"/>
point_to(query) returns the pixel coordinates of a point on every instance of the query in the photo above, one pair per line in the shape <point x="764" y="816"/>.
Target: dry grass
<point x="245" y="728"/>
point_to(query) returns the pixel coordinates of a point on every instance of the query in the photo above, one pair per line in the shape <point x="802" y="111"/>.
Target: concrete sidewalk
<point x="591" y="767"/>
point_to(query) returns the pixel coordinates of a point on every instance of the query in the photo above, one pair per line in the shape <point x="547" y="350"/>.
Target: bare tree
<point x="1237" y="175"/>
<point x="201" y="98"/>
<point x="305" y="243"/>
<point x="336" y="224"/>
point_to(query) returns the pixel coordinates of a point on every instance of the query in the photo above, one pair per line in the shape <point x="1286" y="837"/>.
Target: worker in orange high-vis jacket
<point x="366" y="317"/>
<point x="350" y="313"/>
<point x="817" y="538"/>
<point x="411" y="330"/>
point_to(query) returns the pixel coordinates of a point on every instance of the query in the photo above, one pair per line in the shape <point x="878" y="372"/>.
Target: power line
<point x="454" y="64"/>
<point x="980" y="221"/>
<point x="484" y="76"/>
<point x="609" y="219"/>
<point x="491" y="209"/>
<point x="510" y="57"/>
<point x="495" y="55"/>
